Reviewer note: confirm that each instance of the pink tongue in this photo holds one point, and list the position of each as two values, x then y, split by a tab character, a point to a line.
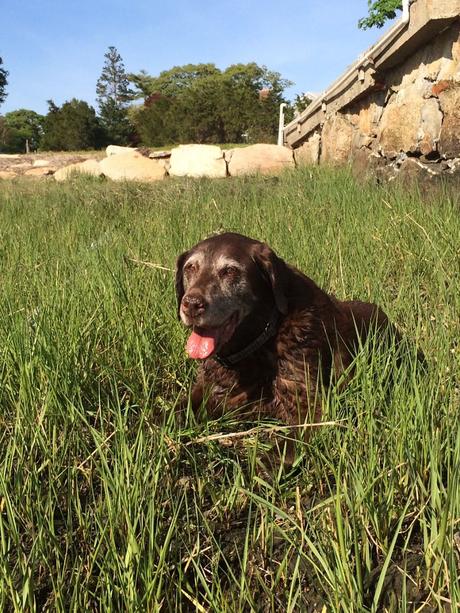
201	346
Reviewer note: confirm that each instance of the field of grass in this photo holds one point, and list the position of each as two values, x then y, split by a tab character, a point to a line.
108	503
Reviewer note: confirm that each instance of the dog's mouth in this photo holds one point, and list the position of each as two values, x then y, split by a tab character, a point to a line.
204	342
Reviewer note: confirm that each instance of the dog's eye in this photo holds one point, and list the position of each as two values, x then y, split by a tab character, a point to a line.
190	268
229	272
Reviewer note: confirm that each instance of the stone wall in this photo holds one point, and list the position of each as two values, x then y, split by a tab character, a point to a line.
409	122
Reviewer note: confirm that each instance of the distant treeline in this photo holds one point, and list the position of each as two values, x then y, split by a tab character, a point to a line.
186	104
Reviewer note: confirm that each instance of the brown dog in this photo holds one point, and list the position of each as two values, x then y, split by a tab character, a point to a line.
267	335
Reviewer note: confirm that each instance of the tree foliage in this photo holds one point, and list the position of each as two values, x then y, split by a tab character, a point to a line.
18	127
171	82
202	104
380	11
71	127
113	96
3	82
297	106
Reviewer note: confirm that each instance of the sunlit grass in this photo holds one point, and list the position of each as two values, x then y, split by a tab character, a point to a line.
109	502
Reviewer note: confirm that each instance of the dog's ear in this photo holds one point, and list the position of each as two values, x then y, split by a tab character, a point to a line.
180	279
274	270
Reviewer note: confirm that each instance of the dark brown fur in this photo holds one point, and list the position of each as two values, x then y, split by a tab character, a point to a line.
315	341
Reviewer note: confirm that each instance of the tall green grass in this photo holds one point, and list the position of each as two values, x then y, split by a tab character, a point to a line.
107	502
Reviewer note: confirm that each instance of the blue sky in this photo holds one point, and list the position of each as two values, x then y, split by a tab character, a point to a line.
55	48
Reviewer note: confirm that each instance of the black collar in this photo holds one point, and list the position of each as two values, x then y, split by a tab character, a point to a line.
270	330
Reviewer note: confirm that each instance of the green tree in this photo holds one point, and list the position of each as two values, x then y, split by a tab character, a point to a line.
380	11
172	82
180	105
301	102
199	108
200	103
155	122
297	106
254	93
113	97
4	135
21	126
143	83
3	82
72	127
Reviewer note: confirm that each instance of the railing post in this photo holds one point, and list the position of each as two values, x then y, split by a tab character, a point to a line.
281	124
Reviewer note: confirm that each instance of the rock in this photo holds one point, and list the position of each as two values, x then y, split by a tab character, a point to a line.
88	167
165	163
364	141
336	140
440	86
449	141
159	155
40	172
7	174
412	170
430	127
426	177
438	59
131	167
198	161
162	157
40	163
117	150
365	115
264	159
366	164
454	166
308	153
9	156
410	123
21	165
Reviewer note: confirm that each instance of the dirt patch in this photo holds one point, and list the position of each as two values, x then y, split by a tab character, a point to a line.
21	164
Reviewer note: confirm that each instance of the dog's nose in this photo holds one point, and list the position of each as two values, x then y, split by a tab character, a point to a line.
193	304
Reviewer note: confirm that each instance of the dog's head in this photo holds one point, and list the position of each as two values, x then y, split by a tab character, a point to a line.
222	284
